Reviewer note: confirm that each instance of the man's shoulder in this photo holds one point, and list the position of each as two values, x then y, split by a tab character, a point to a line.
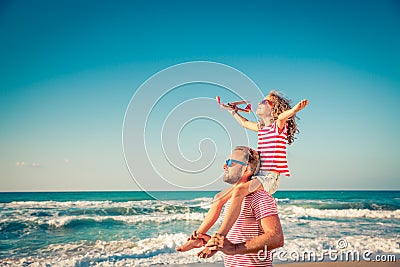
261	196
262	204
261	193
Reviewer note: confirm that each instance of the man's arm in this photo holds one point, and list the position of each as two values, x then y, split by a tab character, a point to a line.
272	238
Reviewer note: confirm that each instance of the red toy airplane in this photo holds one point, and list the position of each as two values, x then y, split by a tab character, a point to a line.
234	104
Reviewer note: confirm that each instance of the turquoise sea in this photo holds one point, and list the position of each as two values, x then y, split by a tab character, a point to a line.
138	229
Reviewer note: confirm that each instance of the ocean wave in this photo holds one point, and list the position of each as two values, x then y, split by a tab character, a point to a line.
282	200
10	224
160	250
78	204
146	252
70	218
102	203
337	213
159	218
106	207
334	204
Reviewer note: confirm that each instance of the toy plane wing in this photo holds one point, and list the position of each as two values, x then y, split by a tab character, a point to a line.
234	104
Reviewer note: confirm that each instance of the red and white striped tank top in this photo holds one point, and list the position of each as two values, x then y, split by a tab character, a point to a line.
272	149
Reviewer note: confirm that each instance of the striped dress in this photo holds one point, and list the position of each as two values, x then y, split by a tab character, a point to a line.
272	149
255	207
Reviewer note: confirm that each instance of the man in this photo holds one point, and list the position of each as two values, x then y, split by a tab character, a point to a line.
257	230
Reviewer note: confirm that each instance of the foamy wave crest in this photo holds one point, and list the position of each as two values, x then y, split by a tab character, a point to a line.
146	252
159	218
339	205
108	207
282	200
70	221
203	202
335	213
75	204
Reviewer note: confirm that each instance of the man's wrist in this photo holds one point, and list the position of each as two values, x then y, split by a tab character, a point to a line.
235	249
239	248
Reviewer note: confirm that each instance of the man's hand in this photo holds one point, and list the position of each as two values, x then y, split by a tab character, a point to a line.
224	245
217	243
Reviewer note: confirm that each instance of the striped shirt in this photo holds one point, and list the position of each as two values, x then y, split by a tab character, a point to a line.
272	149
255	207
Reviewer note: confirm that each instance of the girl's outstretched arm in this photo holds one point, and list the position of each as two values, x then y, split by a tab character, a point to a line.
284	116
251	125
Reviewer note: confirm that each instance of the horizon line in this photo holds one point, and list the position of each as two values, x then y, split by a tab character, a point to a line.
99	191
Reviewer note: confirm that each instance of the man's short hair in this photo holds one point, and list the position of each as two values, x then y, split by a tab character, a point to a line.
251	156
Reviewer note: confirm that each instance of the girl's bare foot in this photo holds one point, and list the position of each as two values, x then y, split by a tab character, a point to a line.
194	241
191	244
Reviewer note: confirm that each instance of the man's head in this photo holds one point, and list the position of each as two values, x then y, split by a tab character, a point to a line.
241	165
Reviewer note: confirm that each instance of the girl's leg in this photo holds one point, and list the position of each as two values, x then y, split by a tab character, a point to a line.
238	194
212	216
213	213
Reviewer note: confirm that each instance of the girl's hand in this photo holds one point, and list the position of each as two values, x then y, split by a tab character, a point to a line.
299	106
229	108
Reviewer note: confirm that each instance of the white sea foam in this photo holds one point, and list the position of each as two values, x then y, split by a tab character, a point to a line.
282	200
161	250
198	202
57	214
160	218
76	204
336	213
60	221
60	213
146	252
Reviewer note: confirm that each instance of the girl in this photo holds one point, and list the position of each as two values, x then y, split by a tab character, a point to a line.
276	127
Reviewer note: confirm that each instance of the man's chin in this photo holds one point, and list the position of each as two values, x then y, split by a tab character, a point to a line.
225	179
229	181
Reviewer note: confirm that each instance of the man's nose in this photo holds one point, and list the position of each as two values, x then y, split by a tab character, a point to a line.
225	167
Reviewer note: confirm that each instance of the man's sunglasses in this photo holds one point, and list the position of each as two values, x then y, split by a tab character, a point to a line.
229	162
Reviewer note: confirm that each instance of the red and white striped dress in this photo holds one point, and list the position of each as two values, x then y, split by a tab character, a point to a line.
255	207
272	149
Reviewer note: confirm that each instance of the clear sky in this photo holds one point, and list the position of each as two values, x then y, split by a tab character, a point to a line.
69	70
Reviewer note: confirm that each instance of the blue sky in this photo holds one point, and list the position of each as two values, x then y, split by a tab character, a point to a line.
70	68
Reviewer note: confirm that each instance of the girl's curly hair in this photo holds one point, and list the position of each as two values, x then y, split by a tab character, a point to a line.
282	104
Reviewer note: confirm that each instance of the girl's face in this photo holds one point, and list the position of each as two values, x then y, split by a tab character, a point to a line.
264	108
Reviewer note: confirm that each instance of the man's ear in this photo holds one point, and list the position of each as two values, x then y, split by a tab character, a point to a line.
249	169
